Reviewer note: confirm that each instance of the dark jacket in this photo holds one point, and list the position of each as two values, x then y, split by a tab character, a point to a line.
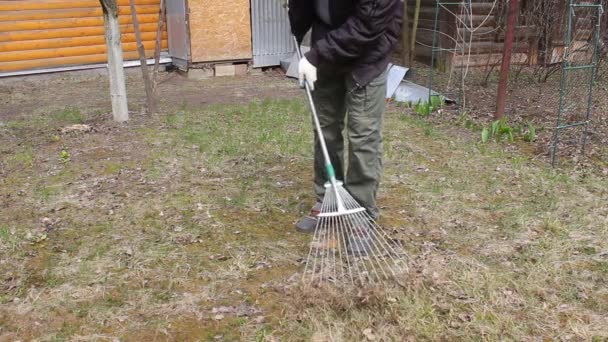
361	36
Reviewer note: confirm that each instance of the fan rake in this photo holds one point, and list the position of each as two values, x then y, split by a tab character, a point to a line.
348	245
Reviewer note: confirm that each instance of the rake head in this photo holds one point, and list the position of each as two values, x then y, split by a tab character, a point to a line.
348	245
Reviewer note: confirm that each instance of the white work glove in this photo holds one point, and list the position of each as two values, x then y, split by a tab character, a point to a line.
308	72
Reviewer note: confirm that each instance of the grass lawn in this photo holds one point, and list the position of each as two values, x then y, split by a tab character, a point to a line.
179	226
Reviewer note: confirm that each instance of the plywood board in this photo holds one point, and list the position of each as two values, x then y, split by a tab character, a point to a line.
220	30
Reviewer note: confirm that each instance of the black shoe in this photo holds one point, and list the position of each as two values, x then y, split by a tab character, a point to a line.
307	224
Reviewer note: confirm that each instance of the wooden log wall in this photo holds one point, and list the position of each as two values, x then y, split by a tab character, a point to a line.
36	34
486	45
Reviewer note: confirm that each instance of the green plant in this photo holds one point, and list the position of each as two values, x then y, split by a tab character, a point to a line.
112	168
465	120
531	134
425	108
422	108
64	155
70	115
498	130
24	158
8	238
44	192
485	135
4	233
436	101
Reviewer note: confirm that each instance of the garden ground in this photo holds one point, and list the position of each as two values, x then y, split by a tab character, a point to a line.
179	225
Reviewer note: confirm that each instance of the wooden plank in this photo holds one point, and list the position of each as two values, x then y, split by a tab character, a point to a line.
220	30
69	51
25	25
68	32
12	5
488	59
65	61
492	47
40	44
70	13
521	32
54	33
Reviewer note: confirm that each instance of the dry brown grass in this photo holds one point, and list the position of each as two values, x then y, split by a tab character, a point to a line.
151	226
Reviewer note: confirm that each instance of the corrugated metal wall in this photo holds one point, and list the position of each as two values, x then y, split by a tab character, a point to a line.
270	33
37	34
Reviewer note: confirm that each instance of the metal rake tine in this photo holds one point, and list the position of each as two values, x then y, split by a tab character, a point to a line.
338	251
366	251
350	241
322	254
390	248
338	235
386	246
392	253
315	256
323	245
352	229
380	232
382	236
348	266
330	249
378	257
310	254
314	245
327	202
332	237
380	251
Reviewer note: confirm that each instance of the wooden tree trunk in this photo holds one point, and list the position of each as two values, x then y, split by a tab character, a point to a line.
405	31
150	102
118	89
157	46
506	59
413	36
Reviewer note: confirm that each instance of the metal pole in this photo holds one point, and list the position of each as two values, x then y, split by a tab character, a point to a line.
596	40
433	49
461	98
329	169
562	92
506	59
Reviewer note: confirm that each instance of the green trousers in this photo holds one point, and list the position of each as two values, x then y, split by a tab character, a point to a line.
340	102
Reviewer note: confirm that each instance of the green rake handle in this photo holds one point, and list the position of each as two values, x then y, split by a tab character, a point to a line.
329	168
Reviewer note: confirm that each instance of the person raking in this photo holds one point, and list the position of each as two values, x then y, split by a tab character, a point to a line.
346	68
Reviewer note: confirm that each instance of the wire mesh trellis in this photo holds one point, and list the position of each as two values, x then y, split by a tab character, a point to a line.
579	69
577	58
445	44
